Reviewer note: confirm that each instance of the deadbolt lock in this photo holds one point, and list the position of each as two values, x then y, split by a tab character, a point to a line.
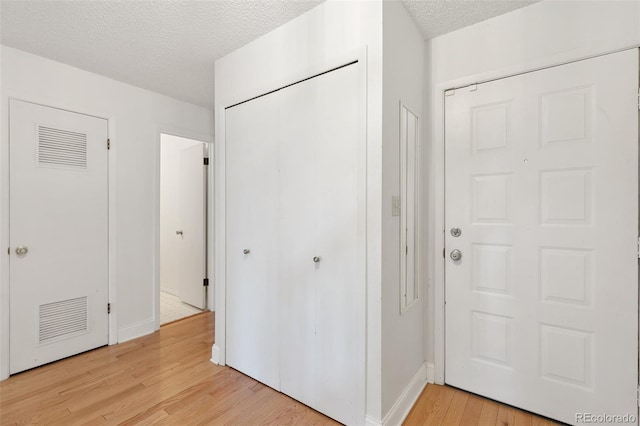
456	232
21	251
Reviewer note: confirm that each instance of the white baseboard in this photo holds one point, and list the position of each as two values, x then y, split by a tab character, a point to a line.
135	330
407	398
431	372
369	421
215	355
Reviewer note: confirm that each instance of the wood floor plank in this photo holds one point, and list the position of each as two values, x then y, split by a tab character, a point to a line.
440	407
456	408
522	418
423	406
166	378
506	416
472	411
489	413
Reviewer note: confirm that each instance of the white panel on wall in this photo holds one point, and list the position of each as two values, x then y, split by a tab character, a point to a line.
408	146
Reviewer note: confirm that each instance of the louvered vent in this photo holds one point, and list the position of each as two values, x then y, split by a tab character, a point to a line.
62	148
60	319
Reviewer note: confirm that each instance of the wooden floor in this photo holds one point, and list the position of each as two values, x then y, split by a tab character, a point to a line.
443	405
166	378
163	378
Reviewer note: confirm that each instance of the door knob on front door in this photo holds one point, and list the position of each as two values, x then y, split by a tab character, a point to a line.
316	259
456	255
179	233
21	250
246	251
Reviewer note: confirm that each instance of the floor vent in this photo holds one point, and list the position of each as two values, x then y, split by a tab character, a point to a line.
62	319
62	148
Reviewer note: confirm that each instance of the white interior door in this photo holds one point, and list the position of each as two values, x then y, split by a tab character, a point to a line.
337	205
58	234
295	297
191	270
252	212
297	227
542	181
320	324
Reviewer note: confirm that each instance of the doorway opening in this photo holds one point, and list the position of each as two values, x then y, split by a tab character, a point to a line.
183	204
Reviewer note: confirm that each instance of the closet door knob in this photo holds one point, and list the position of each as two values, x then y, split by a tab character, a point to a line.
316	259
246	251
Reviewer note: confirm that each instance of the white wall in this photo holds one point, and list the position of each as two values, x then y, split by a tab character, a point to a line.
170	148
540	35
402	334
136	117
335	29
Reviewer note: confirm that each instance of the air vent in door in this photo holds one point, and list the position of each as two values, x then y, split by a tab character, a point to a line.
62	319
58	147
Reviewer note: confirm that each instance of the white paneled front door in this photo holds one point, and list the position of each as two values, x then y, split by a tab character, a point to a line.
542	207
58	234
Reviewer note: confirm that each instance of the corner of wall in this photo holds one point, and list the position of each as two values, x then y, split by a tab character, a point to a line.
402	332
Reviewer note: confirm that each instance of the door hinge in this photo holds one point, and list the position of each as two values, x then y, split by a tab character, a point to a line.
444	250
638	395
206	161
108	143
638	98
108	308
9	251
638	247
205	282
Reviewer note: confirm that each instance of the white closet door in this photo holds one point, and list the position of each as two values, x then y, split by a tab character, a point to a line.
297	224
542	179
295	322
59	234
252	218
337	205
321	359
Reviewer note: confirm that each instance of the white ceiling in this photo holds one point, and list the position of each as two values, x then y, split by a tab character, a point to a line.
170	46
437	17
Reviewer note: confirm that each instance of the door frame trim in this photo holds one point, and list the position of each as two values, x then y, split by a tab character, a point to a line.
437	259
207	139
5	224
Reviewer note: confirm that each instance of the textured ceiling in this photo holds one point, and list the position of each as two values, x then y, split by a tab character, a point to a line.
170	46
437	17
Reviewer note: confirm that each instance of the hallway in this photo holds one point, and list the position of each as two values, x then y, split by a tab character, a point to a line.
162	378
167	378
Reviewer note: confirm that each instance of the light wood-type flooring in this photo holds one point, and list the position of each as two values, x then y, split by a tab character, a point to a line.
167	378
443	405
